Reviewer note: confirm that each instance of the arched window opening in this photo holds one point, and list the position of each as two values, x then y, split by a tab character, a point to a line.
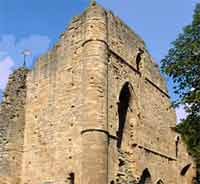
185	169
177	143
145	178
71	178
139	58
159	182
123	105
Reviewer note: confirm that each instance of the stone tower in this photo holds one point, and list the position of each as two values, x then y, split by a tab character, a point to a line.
96	111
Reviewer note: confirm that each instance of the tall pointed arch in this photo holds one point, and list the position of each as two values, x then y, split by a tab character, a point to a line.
123	105
145	177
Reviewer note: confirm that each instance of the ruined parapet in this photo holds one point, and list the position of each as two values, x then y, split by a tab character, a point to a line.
12	121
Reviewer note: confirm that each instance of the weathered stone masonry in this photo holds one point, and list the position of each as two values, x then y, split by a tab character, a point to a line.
12	122
96	111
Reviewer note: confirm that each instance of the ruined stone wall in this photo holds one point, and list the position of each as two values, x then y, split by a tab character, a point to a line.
65	108
97	111
52	147
149	141
12	122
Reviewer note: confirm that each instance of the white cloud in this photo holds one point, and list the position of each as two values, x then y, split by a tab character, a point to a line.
10	46
5	69
11	49
180	113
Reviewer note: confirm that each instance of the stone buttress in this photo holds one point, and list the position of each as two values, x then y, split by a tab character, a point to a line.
94	110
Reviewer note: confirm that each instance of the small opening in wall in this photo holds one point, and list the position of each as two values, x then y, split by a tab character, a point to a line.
159	182
112	182
138	59
121	163
134	145
145	178
123	105
177	142
185	169
71	178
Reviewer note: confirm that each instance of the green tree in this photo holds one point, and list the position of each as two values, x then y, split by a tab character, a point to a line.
182	64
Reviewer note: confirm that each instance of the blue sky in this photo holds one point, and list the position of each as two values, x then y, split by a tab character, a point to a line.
36	25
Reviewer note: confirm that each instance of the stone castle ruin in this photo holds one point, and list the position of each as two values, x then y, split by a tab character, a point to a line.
93	110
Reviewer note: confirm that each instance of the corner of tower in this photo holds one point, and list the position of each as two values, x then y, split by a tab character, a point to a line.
95	10
95	20
91	24
93	4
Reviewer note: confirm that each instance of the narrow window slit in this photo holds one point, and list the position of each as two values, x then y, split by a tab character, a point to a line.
139	58
177	144
71	178
123	105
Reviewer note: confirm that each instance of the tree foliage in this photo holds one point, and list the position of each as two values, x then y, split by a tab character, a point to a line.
182	64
